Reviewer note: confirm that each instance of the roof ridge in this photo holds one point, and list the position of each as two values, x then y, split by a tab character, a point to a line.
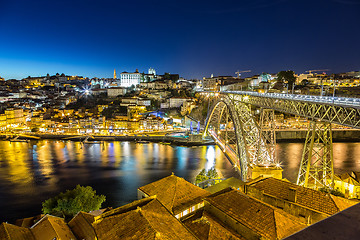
210	227
333	201
8	235
140	211
173	200
57	234
336	198
275	225
178	220
41	219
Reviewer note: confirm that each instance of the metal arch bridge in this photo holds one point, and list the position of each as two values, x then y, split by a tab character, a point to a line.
338	110
238	134
247	143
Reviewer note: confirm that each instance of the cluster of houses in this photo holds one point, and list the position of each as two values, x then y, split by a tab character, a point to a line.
172	208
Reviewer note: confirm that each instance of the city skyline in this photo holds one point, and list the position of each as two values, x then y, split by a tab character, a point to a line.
192	39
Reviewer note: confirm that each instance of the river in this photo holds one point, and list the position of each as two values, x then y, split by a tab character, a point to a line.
33	172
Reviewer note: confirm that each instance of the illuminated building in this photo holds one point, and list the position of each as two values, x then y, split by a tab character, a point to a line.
15	117
172	208
134	111
152	71
180	196
3	122
177	102
129	79
348	184
307	204
152	123
116	91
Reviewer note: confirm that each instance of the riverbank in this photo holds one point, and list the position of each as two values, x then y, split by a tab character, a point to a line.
293	135
166	139
299	135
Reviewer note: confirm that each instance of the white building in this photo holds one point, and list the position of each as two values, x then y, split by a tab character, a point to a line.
116	91
152	71
177	102
129	79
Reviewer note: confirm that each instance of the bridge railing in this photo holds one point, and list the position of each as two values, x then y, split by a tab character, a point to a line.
353	102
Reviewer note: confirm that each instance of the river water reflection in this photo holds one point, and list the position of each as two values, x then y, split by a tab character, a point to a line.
32	172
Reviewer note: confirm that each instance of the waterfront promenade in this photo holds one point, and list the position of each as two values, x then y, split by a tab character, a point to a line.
177	137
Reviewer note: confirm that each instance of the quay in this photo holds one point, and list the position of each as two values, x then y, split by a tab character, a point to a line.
191	140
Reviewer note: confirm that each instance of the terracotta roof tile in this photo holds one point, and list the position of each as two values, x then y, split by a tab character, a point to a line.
146	219
174	192
13	232
28	222
343	225
81	226
263	219
307	197
50	227
208	227
230	182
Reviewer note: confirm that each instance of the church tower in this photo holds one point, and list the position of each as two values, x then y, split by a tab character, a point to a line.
114	74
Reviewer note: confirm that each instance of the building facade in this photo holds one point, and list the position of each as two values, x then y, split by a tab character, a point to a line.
129	79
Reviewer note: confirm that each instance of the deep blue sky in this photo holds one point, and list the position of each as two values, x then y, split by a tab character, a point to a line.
192	38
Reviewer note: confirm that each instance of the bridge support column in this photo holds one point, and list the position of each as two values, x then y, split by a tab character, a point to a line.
316	167
267	130
267	135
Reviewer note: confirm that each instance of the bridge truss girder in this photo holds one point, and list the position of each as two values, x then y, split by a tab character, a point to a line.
316	167
343	115
267	130
237	132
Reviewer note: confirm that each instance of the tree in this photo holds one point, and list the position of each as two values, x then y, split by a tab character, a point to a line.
287	77
305	82
205	175
201	177
334	192
155	104
72	201
212	173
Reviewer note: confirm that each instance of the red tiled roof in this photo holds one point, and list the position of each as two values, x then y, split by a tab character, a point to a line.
81	226
13	232
175	193
265	220
50	227
206	226
307	197
143	219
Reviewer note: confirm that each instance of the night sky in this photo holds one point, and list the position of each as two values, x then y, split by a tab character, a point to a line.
192	38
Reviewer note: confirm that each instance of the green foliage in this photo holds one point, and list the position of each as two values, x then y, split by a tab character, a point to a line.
212	173
305	82
201	177
205	108
108	112
205	175
155	104
334	192
35	129
72	201
287	77
183	93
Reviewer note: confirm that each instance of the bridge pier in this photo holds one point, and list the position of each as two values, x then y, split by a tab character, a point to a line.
317	167
255	171
267	130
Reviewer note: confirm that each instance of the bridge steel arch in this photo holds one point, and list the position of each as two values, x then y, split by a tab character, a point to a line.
346	114
232	126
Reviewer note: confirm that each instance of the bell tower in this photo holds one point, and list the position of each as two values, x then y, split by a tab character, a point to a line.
114	74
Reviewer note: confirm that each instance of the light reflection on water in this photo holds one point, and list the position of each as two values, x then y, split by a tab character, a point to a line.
32	172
